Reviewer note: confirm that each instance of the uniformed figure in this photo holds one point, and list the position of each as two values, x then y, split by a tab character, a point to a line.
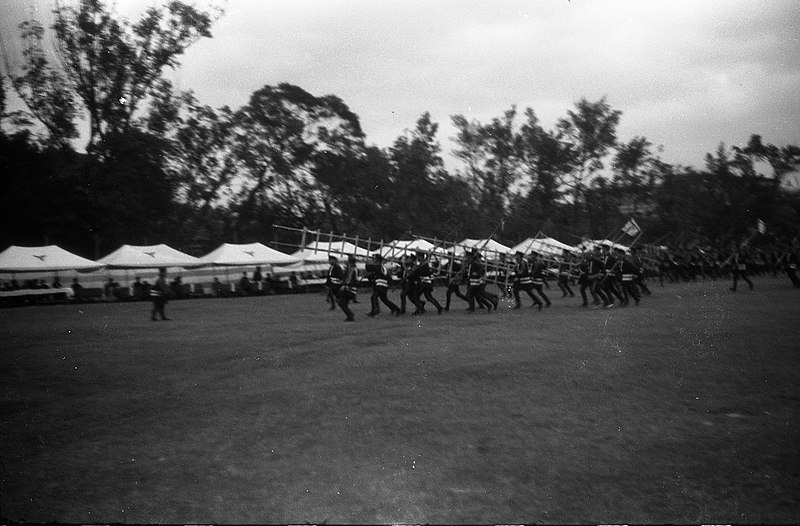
381	277
457	271
522	281
628	272
407	291
792	261
421	276
334	280
349	288
739	262
639	280
476	287
609	280
565	263
583	278
159	294
596	277
538	268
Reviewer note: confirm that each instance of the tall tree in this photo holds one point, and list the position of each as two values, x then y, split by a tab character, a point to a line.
419	198
113	65
545	161
490	154
590	131
637	170
44	89
279	140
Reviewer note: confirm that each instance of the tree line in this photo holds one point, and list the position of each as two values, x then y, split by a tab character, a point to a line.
160	166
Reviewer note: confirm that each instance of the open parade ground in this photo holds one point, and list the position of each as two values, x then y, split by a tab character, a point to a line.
271	409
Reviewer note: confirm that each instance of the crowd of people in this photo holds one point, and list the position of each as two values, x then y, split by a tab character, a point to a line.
605	276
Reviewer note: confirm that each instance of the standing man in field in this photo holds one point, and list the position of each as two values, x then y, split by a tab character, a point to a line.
159	294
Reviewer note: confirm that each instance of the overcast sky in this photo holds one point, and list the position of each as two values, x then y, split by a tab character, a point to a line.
686	74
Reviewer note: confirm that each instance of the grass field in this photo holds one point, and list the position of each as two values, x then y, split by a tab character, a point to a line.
271	409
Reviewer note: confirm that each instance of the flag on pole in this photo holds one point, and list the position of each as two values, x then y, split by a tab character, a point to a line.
631	228
762	227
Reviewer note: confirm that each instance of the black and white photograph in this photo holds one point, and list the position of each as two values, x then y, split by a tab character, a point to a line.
418	262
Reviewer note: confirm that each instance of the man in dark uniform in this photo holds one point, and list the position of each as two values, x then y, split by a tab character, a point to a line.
565	264
381	277
537	278
739	262
637	261
628	272
334	280
476	288
596	277
792	261
609	280
407	291
522	281
159	294
421	276
349	288
454	280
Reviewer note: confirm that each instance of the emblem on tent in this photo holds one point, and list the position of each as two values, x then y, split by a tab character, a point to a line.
250	253
151	254
40	258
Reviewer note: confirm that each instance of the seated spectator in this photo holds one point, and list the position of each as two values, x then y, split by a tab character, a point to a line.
43	284
177	287
138	289
77	288
217	288
244	284
7	286
110	287
270	284
56	283
14	285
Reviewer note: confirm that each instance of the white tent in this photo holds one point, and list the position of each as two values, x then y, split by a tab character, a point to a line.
148	256
488	248
318	251
50	258
543	245
231	255
399	248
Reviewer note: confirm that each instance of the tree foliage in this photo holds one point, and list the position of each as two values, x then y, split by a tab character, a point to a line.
113	65
162	166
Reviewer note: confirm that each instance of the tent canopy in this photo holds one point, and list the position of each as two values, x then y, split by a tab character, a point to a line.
50	258
231	255
487	247
318	251
148	256
543	245
399	248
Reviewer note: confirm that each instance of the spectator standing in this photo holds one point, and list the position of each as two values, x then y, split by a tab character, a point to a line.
159	294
